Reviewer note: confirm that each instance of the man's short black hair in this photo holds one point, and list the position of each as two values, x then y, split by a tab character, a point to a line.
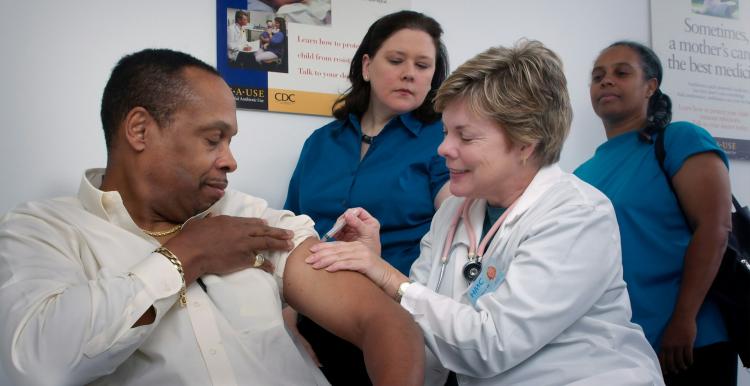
152	79
238	15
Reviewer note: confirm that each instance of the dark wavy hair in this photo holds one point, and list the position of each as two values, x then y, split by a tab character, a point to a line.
356	99
238	15
152	79
659	113
282	24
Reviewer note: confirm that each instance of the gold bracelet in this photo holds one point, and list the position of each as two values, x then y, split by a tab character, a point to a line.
177	264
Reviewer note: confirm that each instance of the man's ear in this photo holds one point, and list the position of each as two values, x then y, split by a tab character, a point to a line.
136	126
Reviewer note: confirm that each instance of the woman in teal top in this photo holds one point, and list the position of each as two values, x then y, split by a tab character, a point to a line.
668	264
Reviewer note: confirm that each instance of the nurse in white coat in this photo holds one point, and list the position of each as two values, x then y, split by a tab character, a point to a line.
519	280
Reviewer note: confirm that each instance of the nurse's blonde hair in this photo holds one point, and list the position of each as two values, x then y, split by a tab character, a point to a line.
522	88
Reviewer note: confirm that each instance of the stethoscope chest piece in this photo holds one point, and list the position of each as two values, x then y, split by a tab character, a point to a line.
472	269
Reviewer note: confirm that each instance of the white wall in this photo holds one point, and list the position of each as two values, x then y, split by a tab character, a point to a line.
57	55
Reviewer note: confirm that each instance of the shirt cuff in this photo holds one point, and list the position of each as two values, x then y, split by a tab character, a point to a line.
159	276
411	297
279	258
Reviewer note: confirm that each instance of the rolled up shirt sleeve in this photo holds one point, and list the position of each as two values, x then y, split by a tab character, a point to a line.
253	207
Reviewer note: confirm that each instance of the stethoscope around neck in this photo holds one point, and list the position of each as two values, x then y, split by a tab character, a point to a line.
473	267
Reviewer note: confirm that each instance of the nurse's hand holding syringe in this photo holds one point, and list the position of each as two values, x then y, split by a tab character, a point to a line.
357	248
356	224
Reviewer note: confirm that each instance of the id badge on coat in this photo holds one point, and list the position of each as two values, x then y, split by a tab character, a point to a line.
489	279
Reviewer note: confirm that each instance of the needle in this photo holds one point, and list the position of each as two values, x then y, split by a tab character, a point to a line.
334	229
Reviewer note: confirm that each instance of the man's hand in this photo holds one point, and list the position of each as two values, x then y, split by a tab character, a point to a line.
225	244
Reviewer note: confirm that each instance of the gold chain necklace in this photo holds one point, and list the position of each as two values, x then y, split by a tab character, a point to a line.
162	233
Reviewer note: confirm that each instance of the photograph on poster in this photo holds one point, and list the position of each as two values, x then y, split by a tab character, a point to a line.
292	56
256	40
705	51
726	9
312	12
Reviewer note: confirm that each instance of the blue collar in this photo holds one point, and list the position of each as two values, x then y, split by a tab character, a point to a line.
619	139
407	120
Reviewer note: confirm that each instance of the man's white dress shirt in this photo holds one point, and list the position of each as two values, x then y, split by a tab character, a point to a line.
76	273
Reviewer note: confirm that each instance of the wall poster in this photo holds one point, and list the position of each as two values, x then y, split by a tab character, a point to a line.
292	56
704	46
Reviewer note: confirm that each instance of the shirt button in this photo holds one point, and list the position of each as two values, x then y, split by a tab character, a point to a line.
212	352
343	202
196	304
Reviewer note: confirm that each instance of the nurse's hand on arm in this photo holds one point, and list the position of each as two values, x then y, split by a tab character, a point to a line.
358	250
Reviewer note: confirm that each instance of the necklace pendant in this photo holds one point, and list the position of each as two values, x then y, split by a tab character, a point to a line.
368	139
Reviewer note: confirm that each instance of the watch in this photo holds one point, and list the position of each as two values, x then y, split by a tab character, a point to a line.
402	290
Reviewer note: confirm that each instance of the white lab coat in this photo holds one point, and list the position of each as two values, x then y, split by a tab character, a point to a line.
562	315
236	41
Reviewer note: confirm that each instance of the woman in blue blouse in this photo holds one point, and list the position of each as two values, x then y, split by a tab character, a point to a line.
272	47
669	260
380	154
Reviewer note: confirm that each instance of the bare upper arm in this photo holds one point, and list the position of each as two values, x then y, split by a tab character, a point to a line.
702	186
324	296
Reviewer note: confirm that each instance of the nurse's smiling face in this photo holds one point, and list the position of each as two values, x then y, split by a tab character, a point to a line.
482	160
